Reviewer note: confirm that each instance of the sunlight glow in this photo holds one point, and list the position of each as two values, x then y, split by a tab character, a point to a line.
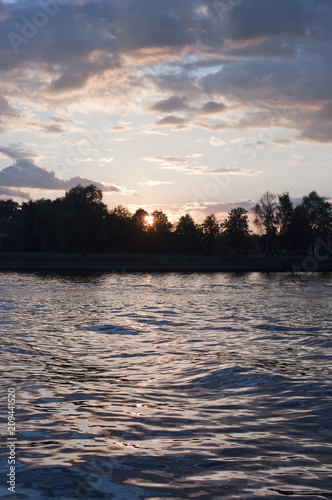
149	220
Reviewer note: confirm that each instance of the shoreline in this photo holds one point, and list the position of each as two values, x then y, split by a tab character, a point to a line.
159	263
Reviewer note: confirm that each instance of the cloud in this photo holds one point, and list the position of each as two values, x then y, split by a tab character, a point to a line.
254	56
16	151
299	159
13	193
172	120
217	206
155	183
9	116
152	131
171	104
211	107
281	18
26	174
69	81
107	159
217	142
188	165
283	141
46	128
6	109
119	128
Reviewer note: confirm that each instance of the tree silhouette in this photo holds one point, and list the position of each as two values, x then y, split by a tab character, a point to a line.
236	229
140	228
160	233
188	235
299	231
81	222
119	230
8	211
210	232
318	213
284	219
265	217
45	224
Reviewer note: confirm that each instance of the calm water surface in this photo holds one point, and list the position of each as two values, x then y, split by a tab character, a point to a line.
178	386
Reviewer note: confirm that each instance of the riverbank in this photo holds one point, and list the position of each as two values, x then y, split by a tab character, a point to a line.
158	263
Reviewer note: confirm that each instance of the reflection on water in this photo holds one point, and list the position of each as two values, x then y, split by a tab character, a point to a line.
168	386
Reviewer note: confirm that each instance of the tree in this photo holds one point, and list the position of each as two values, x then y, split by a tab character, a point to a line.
119	229
140	227
8	208
265	217
187	234
236	229
81	218
284	218
23	236
299	231
318	213
8	212
45	224
160	232
210	232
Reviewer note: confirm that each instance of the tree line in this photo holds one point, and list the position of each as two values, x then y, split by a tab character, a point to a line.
79	222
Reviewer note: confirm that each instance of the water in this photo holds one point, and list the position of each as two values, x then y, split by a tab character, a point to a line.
181	386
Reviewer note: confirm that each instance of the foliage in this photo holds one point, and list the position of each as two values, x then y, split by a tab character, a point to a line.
236	229
266	218
318	214
188	235
80	222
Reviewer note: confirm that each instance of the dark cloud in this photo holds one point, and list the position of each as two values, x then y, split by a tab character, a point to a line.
47	128
171	104
211	107
171	120
69	81
15	151
259	19
26	174
13	193
268	54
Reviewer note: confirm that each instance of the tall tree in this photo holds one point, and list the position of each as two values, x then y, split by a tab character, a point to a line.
299	232
160	232
23	236
210	232
140	228
236	229
80	221
45	224
265	217
119	230
318	213
284	218
187	235
9	210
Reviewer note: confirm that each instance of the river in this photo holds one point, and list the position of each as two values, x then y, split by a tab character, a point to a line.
182	386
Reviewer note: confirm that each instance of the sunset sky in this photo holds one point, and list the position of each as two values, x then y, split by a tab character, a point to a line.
181	105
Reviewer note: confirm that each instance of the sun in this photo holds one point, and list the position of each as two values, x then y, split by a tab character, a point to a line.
149	220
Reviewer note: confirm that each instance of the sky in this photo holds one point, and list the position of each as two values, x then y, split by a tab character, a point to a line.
192	106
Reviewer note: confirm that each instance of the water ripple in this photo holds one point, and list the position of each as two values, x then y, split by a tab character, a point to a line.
176	385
